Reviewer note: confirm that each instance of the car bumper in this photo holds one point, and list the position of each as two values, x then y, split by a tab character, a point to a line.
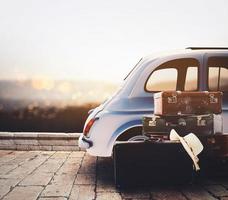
84	142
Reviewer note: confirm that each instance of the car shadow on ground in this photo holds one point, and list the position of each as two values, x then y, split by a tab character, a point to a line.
218	174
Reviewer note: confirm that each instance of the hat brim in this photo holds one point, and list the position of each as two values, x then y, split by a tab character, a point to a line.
191	140
187	143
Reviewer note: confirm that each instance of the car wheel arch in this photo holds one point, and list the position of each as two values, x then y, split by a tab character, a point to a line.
130	132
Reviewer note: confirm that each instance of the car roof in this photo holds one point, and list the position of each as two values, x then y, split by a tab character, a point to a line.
191	51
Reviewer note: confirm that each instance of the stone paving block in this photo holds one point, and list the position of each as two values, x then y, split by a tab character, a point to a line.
5	152
22	158
8	157
45	147
85	179
23	147
6	185
83	192
65	148
105	166
8	147
53	198
26	168
167	194
197	193
217	190
105	183
74	135
38	178
108	195
6	134
58	142
90	158
28	147
135	194
9	142
109	187
26	141
88	165
136	198
25	135
77	154
75	160
69	168
18	161
60	186
22	193
61	154
4	169
52	135
51	165
87	168
46	153
19	173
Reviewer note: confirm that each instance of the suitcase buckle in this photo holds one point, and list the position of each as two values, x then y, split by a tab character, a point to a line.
182	122
201	122
213	99
172	99
152	123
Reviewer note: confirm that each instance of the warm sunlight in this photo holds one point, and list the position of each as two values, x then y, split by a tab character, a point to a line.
43	84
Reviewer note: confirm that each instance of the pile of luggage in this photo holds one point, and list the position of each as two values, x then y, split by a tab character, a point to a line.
183	125
192	118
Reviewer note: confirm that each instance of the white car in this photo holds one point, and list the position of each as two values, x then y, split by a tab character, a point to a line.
119	118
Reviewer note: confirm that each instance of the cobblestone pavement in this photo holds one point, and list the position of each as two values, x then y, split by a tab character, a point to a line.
48	175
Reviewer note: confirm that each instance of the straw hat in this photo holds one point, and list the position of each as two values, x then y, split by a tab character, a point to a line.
191	144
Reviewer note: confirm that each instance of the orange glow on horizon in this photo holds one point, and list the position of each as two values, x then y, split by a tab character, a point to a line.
43	84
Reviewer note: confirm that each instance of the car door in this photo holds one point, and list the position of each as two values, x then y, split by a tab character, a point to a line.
217	80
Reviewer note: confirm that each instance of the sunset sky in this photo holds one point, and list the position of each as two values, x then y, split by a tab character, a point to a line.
100	40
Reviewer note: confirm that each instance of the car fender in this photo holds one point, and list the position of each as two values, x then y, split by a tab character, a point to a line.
104	137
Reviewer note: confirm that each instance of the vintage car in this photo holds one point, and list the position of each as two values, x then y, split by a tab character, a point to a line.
120	117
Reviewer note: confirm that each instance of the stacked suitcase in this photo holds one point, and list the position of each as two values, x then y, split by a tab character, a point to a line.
186	112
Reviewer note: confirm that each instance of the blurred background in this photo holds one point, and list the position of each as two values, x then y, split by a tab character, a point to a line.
59	59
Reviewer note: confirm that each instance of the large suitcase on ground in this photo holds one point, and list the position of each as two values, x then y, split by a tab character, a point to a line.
151	163
201	125
185	103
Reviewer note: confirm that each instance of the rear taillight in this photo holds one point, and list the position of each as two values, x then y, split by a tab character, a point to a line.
89	125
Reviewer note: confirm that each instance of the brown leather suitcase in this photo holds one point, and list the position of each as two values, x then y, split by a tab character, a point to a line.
171	103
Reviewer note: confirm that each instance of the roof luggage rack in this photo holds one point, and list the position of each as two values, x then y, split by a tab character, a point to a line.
202	48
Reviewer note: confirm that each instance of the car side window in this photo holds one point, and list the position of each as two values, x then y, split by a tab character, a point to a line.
218	74
178	74
163	79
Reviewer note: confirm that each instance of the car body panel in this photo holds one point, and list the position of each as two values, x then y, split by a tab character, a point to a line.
125	109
